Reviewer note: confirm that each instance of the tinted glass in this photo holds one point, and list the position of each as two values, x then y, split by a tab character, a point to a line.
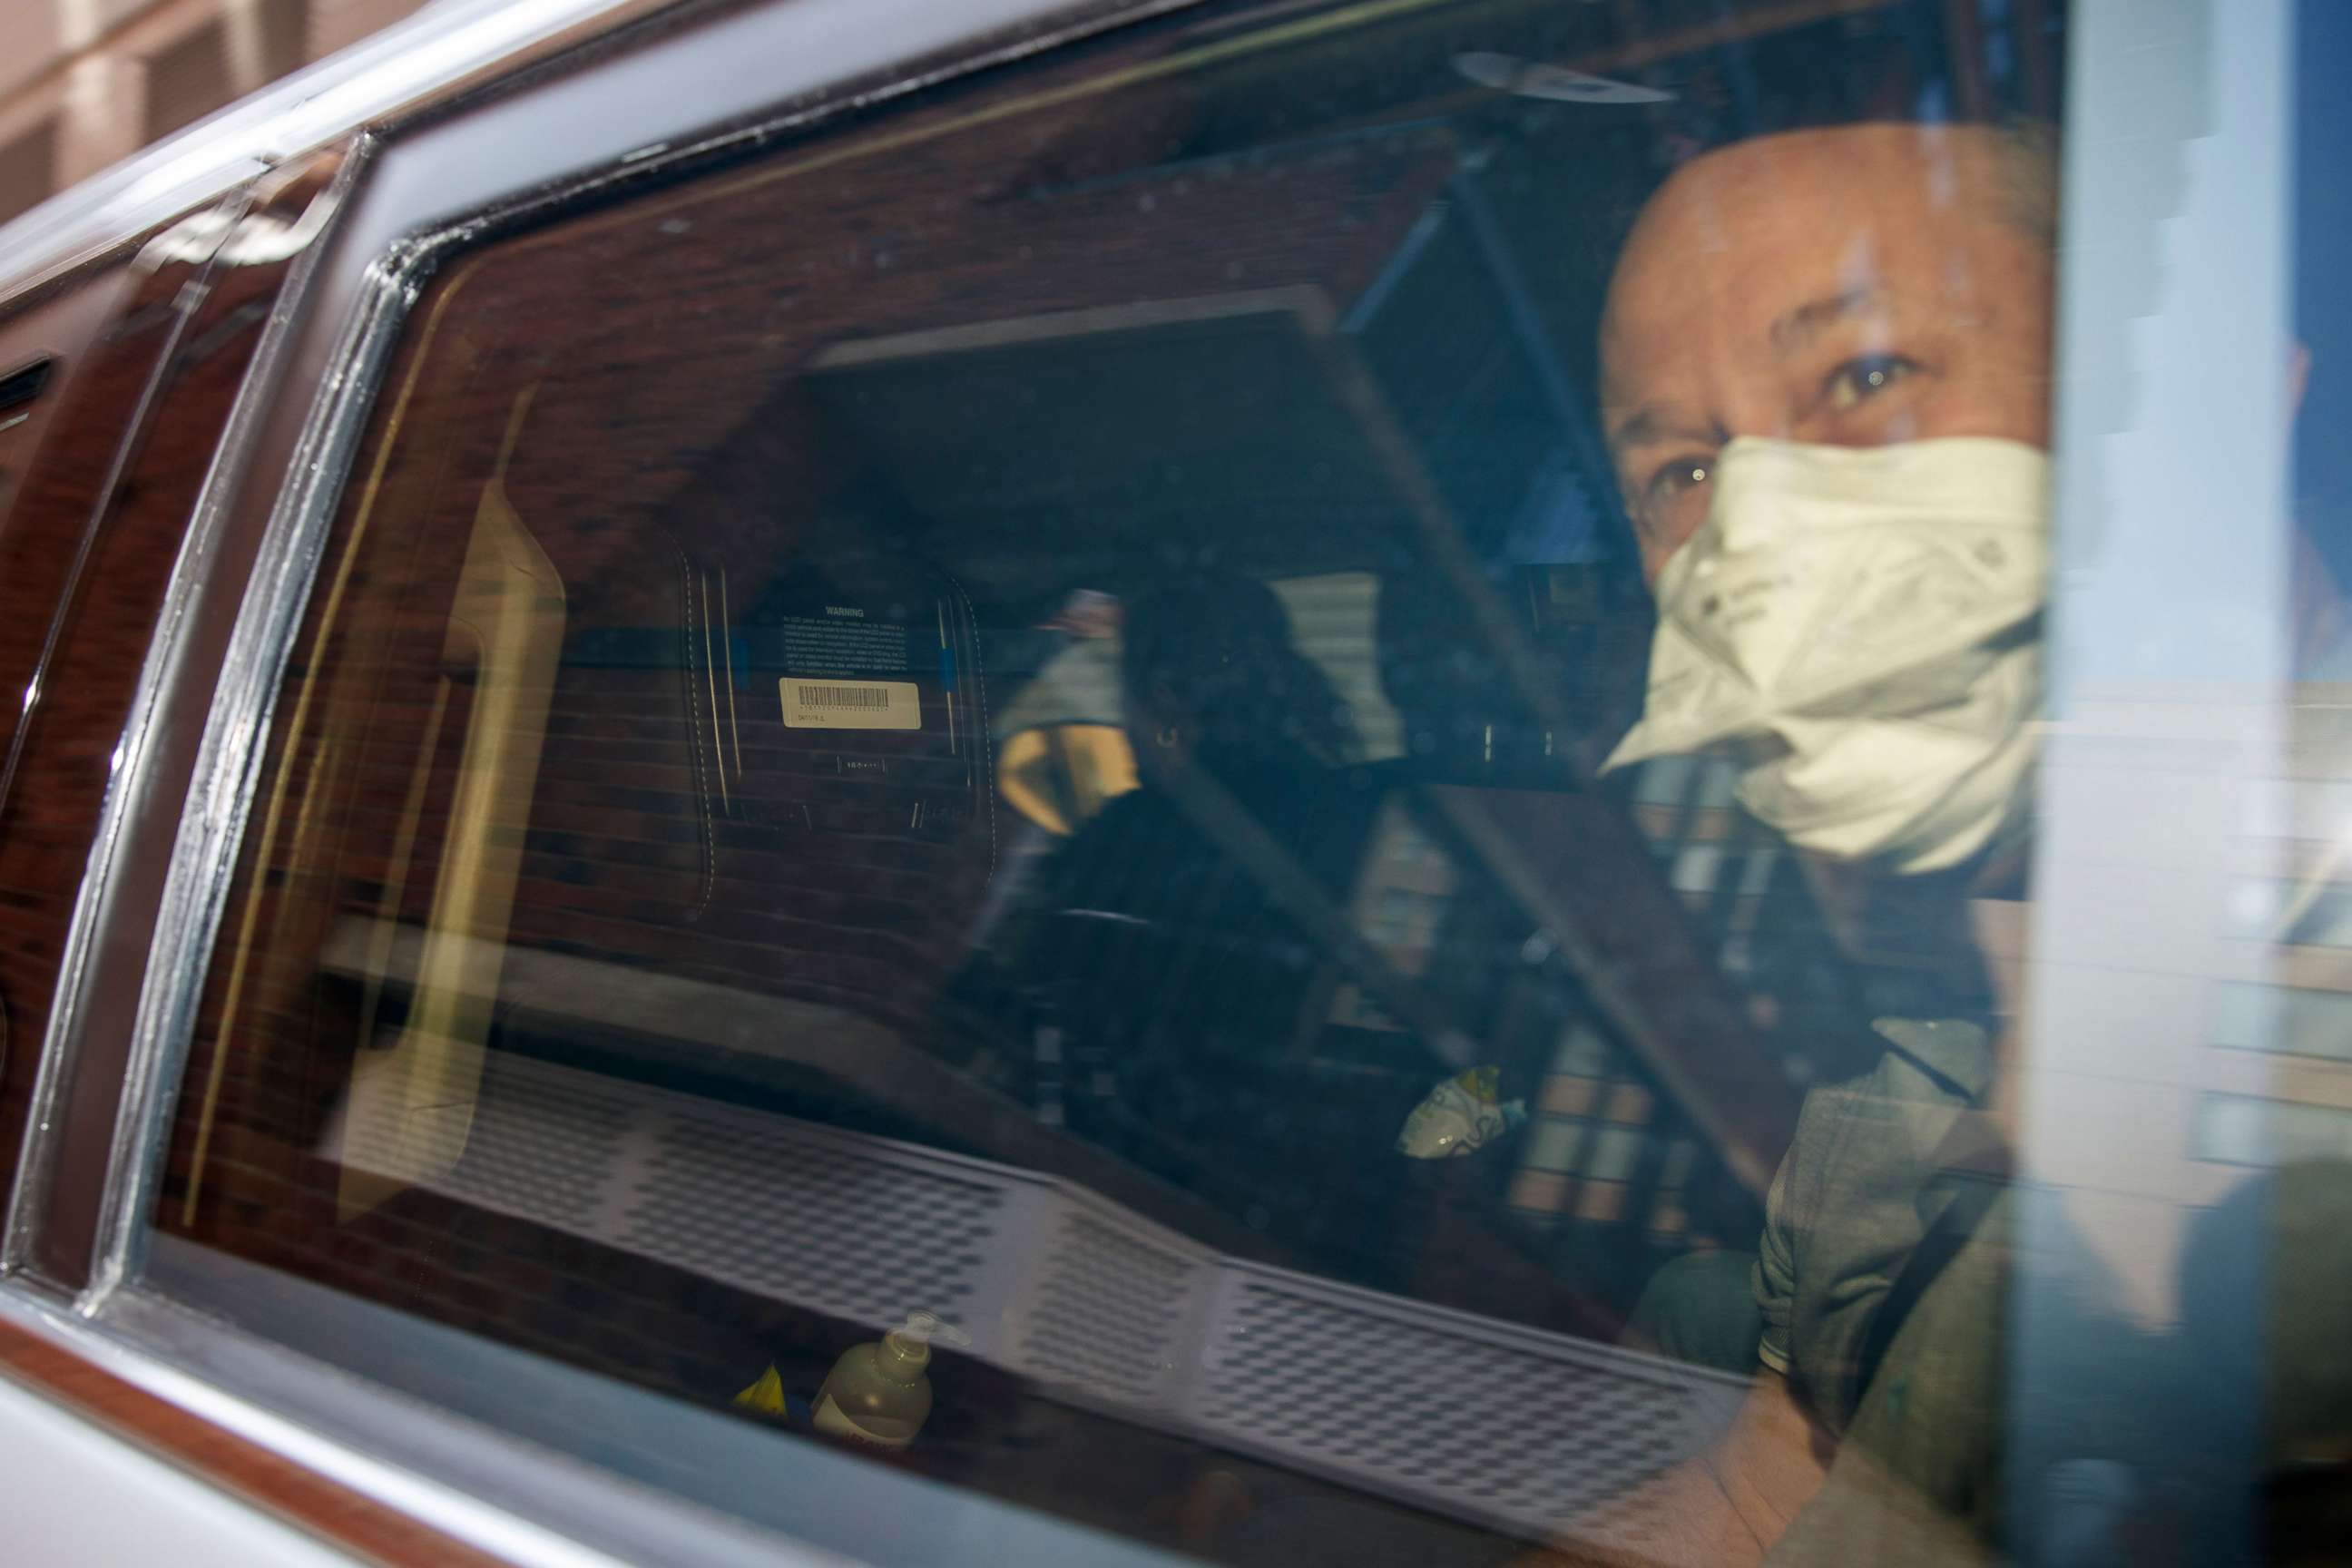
1324	720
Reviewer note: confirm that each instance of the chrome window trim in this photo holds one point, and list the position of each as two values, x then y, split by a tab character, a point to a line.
36	1167
401	67
205	853
29	1188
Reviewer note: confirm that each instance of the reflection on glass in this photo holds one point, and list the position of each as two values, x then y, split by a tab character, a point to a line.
1325	723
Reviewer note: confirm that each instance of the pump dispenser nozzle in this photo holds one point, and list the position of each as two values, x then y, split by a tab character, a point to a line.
906	1350
878	1393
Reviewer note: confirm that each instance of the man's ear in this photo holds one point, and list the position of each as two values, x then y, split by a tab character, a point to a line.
2298	377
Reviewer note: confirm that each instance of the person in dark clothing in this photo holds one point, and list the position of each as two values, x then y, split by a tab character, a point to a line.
1167	934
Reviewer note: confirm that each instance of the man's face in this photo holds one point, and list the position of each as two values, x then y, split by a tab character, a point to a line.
1854	287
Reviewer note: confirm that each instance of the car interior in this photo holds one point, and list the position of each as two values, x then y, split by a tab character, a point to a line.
718	881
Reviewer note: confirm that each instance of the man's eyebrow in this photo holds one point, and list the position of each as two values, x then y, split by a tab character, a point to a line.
1653	423
1808	321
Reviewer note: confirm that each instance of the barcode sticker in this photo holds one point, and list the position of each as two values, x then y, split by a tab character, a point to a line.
852	704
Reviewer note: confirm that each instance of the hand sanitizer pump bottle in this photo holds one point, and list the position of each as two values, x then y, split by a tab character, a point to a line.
876	1393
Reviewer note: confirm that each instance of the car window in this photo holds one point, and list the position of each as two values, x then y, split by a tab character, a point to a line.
1270	783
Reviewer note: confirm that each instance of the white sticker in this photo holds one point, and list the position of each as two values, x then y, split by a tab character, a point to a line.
851	704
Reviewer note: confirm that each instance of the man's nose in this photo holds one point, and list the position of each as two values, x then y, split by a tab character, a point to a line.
1750	405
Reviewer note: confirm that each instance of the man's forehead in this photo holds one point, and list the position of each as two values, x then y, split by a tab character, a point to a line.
1774	181
1764	240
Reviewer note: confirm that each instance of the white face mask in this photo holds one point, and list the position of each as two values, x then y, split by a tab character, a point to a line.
1863	616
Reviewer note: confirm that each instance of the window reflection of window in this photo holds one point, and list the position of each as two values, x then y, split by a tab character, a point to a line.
2246	1130
2287	1020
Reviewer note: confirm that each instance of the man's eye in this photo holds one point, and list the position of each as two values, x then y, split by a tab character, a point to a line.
1858	381
1675	480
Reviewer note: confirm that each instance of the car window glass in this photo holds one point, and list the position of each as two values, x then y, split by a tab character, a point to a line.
1157	705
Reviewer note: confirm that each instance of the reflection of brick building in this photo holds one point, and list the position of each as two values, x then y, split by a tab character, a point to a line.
645	864
2277	1084
84	83
1598	1145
